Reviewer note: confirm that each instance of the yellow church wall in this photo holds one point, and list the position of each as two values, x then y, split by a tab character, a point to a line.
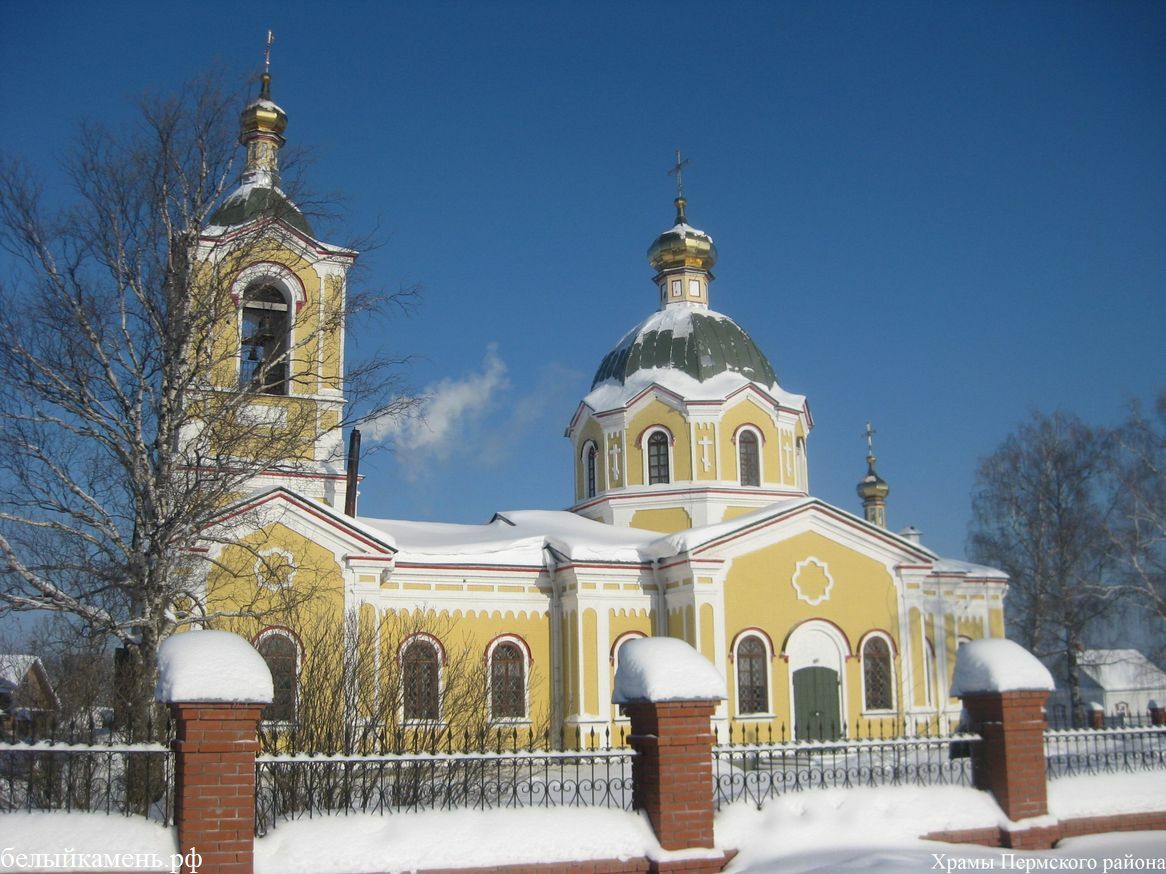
749	413
759	593
690	626
590	667
657	413
667	520
707	431
676	624
996	621
707	646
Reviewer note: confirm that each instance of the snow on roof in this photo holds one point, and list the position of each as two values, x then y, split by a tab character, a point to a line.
665	669
997	665
14	667
955	566
211	666
1122	669
516	537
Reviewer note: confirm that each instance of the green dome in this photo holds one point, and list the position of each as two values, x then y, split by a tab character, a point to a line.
256	202
692	339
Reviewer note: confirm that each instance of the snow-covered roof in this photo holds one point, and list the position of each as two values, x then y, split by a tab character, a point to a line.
967	568
998	665
665	669
211	666
516	537
15	666
1122	669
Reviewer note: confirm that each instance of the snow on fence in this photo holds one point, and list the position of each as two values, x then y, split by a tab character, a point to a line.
292	786
758	771
90	766
1069	752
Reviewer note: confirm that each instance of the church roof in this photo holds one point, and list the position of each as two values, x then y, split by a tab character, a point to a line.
690	338
1121	669
250	203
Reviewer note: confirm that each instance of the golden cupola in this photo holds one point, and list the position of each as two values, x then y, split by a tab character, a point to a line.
261	127
682	246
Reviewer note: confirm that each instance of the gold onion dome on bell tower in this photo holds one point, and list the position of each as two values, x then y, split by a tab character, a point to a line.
263	117
682	246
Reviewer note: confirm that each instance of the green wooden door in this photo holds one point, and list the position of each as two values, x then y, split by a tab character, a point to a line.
816	709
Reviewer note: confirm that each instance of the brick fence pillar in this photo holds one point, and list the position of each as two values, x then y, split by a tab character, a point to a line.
1009	761
1157	713
672	773
1096	716
216	685
214	794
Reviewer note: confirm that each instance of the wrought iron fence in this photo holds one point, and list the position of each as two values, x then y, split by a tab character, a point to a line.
1069	752
759	770
90	766
495	774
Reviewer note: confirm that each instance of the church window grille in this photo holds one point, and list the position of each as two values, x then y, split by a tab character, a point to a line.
658	458
281	656
592	455
750	459
263	348
507	682
877	675
752	676
420	675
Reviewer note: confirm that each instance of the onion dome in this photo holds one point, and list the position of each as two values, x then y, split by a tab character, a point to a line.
682	246
872	485
689	338
261	127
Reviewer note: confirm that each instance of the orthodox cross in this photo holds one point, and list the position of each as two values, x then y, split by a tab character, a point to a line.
787	446
704	443
678	171
267	52
614	452
869	433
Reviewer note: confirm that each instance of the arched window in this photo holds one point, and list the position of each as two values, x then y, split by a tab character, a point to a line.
507	682
282	656
749	458
420	676
592	456
752	676
263	346
658	458
877	679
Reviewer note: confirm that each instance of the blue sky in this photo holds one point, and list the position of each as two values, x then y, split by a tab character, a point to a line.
935	216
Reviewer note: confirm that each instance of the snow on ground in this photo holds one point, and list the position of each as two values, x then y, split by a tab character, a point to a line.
875	830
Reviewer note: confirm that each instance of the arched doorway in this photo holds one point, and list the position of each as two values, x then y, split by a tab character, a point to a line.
816	651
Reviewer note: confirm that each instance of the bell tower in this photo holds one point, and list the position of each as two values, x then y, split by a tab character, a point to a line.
275	394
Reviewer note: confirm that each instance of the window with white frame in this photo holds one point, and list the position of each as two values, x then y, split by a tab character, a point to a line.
421	680
281	654
752	661
507	681
749	457
590	463
877	677
658	462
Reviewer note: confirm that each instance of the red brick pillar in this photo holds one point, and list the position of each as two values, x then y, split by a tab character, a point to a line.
1096	716
214	805
1009	761
1157	713
672	772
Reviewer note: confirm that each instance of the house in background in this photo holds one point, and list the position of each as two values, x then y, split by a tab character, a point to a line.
1122	682
27	699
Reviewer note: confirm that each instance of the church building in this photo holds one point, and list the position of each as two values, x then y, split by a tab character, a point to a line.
693	518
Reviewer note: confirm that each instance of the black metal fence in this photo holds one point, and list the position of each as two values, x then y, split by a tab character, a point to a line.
491	774
1074	751
90	766
757	771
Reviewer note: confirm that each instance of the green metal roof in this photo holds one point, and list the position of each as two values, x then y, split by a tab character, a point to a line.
699	343
260	203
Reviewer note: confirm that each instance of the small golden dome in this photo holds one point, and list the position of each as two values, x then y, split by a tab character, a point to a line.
682	246
872	485
262	117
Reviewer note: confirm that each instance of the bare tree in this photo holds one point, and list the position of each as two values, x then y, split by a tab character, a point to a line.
1040	512
122	426
1139	529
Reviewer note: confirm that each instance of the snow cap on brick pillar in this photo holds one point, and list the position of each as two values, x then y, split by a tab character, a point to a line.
997	665
1004	688
211	666
665	669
